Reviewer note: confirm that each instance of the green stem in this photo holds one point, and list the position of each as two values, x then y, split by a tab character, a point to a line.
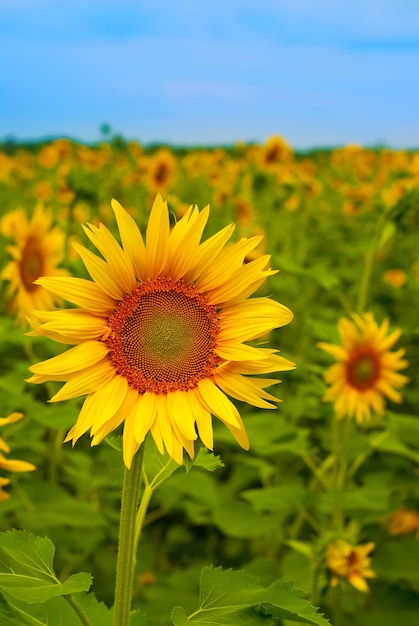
317	476
339	432
142	510
78	609
126	554
337	612
362	457
369	263
55	441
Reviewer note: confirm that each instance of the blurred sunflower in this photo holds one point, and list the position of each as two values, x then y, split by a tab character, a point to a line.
10	465
404	521
161	169
367	370
37	250
160	333
275	149
350	562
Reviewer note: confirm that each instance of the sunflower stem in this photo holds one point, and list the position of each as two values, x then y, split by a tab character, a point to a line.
55	440
126	546
369	263
339	431
337	612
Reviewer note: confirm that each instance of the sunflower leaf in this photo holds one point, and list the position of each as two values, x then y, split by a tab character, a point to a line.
204	460
156	466
57	611
234	598
26	570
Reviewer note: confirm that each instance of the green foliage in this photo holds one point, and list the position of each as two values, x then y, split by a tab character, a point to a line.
306	480
27	571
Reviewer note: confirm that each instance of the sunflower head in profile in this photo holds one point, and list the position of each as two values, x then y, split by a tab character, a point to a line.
160	335
10	465
367	370
37	250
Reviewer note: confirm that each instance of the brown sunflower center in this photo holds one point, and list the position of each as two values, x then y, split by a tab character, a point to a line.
162	337
161	173
363	368
31	264
353	559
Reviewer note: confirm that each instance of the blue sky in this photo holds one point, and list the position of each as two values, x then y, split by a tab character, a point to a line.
318	72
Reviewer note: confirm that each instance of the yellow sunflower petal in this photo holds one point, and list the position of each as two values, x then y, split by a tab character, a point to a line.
99	407
252	319
11	465
79	357
157	238
203	420
242	388
79	291
182	414
238	352
131	238
229	261
68	325
145	413
242	278
101	272
11	419
165	423
99	431
217	403
184	243
118	261
129	443
86	381
209	250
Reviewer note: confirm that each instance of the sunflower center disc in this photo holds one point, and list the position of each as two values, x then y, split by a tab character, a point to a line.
363	369
163	336
31	265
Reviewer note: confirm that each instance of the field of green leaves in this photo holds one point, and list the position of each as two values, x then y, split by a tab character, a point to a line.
326	500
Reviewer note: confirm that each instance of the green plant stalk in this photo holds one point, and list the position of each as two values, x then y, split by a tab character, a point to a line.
55	441
126	545
77	609
369	263
339	468
141	513
363	457
318	477
336	606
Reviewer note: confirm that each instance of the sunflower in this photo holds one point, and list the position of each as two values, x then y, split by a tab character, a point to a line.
161	170
350	562
37	251
160	333
404	521
367	370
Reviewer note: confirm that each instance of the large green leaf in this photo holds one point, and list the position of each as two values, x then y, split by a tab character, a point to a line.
236	598
58	611
26	569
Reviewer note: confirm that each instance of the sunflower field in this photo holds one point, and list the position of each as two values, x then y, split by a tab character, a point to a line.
142	339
